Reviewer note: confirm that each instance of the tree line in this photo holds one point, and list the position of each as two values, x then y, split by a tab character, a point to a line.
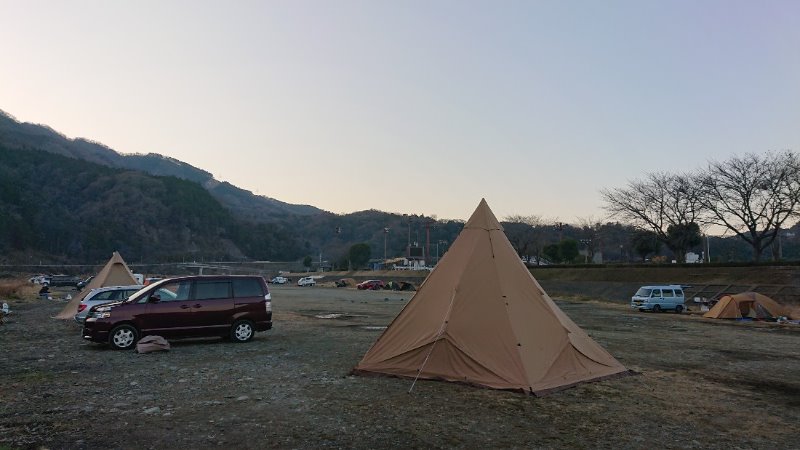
753	196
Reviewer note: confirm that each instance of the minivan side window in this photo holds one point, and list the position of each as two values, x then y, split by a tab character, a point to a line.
247	287
678	293
207	290
172	292
667	293
656	293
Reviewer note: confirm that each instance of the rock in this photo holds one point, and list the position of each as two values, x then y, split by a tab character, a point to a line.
153	410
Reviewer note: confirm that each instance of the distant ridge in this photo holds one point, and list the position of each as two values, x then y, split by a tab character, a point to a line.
242	203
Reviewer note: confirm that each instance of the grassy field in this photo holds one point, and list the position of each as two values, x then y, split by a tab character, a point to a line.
700	384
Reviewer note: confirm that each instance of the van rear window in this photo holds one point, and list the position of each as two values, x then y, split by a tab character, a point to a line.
247	287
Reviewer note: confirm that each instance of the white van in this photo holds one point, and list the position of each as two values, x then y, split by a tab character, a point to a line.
306	281
659	298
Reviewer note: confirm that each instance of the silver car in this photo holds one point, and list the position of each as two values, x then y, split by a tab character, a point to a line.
101	295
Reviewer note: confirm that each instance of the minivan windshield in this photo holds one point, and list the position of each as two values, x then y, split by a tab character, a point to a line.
643	292
146	291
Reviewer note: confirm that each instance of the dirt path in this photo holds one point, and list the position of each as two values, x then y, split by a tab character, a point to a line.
701	384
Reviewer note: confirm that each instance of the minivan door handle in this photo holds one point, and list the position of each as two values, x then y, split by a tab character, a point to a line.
198	305
185	306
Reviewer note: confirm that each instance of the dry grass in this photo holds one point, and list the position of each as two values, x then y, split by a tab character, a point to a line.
18	289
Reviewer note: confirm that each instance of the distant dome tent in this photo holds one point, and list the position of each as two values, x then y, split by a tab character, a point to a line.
481	318
749	305
114	273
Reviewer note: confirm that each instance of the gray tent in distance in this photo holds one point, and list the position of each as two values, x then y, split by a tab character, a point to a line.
481	318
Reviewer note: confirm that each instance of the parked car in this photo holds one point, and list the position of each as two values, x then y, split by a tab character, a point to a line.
372	285
216	305
659	298
399	286
306	281
82	284
39	279
279	280
62	280
101	295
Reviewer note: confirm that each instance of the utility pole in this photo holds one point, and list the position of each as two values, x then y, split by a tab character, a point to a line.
427	240
408	247
385	233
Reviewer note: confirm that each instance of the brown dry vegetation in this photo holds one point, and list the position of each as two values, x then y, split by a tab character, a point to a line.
701	384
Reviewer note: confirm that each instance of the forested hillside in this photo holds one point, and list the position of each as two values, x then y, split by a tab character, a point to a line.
74	210
24	136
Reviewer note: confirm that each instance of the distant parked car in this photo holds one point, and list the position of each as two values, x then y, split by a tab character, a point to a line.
39	279
101	295
399	286
659	298
279	280
306	281
63	280
82	284
372	285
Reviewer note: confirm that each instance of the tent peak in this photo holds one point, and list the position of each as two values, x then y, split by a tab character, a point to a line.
483	218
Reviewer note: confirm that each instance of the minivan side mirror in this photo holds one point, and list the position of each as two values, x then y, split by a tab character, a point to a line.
155	298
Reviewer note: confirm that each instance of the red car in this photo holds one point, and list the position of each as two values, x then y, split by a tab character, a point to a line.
372	285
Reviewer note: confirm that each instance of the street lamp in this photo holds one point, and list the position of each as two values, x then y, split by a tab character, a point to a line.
437	249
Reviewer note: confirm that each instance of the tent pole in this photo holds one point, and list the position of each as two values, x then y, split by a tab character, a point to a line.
438	336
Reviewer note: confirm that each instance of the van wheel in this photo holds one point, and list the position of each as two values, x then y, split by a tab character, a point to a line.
656	308
678	309
242	331
123	337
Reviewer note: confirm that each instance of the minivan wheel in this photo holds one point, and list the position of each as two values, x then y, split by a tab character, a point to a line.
123	337
678	309
657	308
242	331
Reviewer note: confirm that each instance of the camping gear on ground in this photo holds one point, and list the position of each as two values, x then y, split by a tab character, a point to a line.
4	311
481	318
749	305
114	273
149	344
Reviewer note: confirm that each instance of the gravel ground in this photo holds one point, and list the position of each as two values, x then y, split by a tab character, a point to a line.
701	384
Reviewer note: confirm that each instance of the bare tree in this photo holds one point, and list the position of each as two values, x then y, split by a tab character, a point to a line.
526	234
753	195
656	203
591	239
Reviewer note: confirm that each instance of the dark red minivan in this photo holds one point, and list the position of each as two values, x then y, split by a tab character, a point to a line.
225	305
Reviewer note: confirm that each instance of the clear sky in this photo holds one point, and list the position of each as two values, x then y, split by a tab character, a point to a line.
419	107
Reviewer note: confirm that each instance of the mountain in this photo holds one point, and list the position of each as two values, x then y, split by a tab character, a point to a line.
62	209
75	200
243	203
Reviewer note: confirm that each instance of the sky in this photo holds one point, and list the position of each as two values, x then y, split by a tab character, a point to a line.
416	107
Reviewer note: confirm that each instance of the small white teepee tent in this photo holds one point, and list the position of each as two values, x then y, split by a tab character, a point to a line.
114	273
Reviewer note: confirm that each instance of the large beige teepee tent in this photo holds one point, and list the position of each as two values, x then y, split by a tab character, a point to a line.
114	273
481	318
